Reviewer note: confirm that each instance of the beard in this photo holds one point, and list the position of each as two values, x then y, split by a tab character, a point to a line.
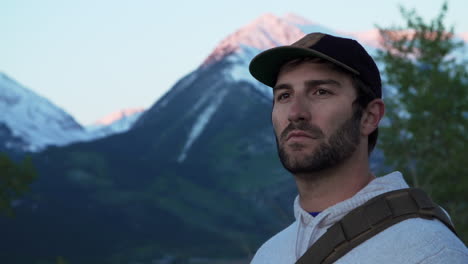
341	144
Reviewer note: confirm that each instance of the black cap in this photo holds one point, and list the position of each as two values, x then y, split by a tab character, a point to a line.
343	52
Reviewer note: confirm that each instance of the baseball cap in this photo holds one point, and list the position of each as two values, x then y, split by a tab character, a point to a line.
343	52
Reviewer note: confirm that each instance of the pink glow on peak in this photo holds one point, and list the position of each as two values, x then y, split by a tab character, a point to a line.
265	32
298	20
270	31
464	36
369	37
111	118
372	37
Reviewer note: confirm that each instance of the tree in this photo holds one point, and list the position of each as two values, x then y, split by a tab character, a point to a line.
14	181
427	109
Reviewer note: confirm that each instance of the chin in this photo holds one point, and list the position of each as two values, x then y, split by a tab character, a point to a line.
300	151
299	159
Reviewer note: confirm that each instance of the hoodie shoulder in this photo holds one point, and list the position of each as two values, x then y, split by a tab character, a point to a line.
279	248
415	240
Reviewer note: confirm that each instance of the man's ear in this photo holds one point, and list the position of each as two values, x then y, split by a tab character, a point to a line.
371	116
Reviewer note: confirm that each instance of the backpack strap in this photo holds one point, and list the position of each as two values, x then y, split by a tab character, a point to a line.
371	218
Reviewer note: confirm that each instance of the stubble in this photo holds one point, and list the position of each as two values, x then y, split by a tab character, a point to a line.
341	144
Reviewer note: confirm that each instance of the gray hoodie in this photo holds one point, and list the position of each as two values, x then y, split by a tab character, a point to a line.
414	240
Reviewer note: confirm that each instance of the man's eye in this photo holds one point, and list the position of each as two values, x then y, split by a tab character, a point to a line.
282	96
322	92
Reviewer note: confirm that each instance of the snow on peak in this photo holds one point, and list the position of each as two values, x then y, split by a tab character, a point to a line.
368	37
115	116
117	122
373	39
265	32
464	36
297	20
40	123
33	118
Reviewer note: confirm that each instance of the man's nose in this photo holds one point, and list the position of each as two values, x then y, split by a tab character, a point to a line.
299	110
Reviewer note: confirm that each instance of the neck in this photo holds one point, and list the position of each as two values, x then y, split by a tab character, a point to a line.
320	190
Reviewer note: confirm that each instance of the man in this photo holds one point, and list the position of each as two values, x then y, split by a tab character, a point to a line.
326	108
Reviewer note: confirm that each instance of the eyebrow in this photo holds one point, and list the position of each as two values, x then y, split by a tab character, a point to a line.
309	83
283	86
320	82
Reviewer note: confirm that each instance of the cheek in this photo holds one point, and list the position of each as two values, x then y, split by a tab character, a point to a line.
335	120
276	120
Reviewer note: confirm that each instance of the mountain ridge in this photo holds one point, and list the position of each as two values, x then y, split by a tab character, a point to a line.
31	122
34	118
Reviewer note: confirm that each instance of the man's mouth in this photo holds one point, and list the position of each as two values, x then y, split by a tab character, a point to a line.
298	134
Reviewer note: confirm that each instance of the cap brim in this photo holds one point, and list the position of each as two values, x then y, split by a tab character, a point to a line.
266	65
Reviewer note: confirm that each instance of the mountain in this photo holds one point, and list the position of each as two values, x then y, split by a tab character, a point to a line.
196	178
116	122
126	114
30	122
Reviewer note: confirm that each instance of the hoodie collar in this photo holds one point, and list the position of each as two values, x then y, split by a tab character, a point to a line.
387	183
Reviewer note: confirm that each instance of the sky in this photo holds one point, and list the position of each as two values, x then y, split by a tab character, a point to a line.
95	57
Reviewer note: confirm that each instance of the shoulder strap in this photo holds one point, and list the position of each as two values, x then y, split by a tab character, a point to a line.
371	218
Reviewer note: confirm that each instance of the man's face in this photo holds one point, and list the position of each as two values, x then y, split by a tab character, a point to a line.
315	123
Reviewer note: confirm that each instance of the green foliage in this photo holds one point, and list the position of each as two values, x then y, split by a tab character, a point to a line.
14	181
89	169
61	260
428	111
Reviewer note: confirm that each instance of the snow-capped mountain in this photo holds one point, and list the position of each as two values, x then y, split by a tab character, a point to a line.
125	114
30	122
208	92
269	31
113	123
266	31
